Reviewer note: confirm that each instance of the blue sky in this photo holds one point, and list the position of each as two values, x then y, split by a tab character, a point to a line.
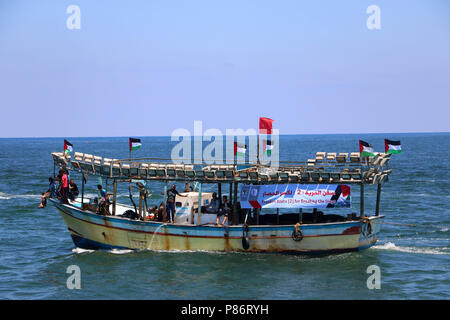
145	68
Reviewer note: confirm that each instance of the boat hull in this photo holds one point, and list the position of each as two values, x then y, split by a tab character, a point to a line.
92	231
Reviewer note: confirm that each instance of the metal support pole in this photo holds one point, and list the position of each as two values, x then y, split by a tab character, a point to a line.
235	203
199	203
377	208
257	150
114	197
140	204
82	189
361	202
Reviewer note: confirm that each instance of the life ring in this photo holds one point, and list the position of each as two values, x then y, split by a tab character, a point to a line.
245	241
297	234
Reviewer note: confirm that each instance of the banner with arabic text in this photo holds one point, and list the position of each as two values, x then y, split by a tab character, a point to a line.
295	196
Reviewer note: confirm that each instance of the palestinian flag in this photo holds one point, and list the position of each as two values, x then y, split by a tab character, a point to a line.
391	146
240	149
267	147
68	147
265	125
135	144
365	149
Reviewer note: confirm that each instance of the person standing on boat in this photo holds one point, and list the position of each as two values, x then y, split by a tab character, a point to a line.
64	185
225	209
170	205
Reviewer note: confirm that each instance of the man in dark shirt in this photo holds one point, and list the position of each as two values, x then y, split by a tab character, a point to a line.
225	209
73	190
213	206
170	205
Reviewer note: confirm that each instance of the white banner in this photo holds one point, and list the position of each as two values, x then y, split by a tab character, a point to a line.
295	196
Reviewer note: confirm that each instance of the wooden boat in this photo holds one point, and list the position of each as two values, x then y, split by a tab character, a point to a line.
252	228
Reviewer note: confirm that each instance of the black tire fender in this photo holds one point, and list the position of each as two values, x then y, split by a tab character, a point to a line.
245	240
297	234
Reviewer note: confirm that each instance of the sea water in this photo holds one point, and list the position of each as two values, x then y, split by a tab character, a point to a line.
413	251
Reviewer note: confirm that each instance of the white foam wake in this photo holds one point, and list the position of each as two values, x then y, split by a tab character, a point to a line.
114	251
392	246
120	251
80	250
6	196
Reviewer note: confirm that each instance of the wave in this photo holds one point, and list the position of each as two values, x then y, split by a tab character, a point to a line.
392	246
193	251
6	196
80	250
120	251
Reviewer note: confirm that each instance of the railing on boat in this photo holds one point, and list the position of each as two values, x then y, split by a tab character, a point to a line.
324	168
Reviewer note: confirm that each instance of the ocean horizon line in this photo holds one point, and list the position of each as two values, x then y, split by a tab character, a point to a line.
285	134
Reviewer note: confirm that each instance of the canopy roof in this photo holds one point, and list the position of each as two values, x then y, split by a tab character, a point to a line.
324	169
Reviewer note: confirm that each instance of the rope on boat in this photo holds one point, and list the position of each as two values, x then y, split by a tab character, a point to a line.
369	224
409	225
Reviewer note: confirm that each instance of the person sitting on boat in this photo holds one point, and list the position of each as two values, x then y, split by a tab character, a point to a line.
73	190
103	205
58	186
188	187
152	213
102	192
170	205
213	206
225	209
161	212
50	193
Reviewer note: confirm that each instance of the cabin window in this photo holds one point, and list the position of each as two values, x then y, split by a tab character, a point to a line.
219	174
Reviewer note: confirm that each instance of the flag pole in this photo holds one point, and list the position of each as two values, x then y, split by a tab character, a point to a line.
235	155
257	146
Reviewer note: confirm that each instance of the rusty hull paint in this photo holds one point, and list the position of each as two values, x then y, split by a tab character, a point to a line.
146	236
